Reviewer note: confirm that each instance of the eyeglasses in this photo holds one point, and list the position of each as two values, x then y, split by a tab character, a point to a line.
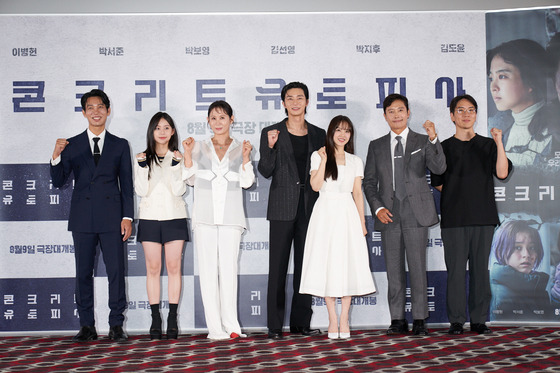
466	111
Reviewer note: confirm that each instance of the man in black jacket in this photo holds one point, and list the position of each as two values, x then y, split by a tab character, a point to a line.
285	153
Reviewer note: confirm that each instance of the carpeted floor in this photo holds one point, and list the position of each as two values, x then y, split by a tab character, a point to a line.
512	349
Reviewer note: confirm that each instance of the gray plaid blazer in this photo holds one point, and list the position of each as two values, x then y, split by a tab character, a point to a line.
279	163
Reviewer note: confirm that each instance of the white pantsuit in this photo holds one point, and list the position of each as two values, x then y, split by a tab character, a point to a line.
217	250
218	220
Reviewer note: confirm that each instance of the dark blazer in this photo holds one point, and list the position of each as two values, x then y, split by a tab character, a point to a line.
102	195
419	154
280	164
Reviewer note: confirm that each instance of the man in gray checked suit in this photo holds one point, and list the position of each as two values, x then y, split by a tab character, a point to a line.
397	191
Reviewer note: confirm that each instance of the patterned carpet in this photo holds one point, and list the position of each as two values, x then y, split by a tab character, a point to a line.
512	349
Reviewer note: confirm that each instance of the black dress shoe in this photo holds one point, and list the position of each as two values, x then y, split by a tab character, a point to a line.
455	328
398	327
480	328
275	334
419	328
304	330
116	333
86	333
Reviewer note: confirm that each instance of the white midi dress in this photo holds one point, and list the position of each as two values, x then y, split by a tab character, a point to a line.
336	261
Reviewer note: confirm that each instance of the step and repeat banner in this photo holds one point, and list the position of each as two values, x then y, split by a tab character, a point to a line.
182	63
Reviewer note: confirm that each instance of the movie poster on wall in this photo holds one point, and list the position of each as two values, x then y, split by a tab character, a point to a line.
523	54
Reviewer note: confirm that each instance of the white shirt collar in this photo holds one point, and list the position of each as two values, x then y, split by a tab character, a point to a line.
403	134
91	135
101	141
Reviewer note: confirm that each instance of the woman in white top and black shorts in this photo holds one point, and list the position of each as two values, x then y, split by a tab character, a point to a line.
162	216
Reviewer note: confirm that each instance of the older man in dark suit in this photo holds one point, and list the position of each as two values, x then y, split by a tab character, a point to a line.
101	210
285	151
397	191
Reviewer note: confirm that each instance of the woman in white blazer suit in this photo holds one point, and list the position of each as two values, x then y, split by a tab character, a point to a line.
219	168
162	216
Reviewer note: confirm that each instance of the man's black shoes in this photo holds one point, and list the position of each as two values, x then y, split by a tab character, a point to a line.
455	328
419	328
304	330
117	334
275	334
480	328
398	327
86	333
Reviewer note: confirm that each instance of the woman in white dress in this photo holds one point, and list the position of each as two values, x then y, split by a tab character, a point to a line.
219	168
336	262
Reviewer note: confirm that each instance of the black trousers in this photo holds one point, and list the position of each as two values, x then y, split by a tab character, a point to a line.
113	256
470	244
282	234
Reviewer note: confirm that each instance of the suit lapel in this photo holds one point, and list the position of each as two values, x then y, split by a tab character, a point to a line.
385	155
107	146
85	150
411	144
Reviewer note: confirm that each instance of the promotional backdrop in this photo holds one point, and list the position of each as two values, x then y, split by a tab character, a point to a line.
180	64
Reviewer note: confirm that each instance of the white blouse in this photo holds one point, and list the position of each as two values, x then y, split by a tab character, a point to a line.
347	173
218	197
162	193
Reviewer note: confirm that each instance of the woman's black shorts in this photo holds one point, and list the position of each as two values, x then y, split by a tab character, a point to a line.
162	231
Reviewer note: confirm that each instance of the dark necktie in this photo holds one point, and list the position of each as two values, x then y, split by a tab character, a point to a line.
400	191
96	151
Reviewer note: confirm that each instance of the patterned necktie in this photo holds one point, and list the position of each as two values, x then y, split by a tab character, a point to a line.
96	151
400	191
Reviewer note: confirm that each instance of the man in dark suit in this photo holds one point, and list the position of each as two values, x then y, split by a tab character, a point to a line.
101	210
397	191
285	153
